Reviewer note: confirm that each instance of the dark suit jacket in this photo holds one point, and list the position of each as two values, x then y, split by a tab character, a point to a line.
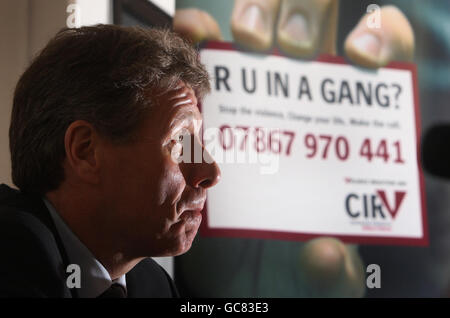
33	260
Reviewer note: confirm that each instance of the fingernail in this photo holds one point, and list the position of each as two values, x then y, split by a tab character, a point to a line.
368	44
296	27
253	18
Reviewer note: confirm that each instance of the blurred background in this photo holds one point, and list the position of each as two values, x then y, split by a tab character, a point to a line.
249	267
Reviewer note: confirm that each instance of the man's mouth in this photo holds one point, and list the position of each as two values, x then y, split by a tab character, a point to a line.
193	208
191	213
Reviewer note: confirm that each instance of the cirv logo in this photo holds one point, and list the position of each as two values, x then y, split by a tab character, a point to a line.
374	205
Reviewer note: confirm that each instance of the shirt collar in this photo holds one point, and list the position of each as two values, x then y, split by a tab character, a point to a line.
95	279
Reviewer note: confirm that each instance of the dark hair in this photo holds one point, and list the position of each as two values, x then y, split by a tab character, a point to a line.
103	74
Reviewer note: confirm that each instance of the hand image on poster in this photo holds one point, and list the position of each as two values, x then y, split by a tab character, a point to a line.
301	29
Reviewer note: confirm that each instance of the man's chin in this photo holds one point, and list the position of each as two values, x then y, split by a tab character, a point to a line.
183	249
179	249
186	241
182	238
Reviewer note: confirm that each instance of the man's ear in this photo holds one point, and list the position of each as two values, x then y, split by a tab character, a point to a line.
81	143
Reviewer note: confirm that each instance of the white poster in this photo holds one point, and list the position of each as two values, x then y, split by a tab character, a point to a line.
312	148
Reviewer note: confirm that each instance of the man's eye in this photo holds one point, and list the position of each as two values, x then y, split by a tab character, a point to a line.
178	138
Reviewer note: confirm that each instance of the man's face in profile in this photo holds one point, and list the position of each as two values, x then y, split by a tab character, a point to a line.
154	202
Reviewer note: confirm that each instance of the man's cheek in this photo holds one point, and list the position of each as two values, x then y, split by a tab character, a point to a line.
171	184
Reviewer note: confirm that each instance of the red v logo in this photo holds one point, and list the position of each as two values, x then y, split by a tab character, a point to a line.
399	196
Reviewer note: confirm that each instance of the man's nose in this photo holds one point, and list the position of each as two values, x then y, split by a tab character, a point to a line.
201	172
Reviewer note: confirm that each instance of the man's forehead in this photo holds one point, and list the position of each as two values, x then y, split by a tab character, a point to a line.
185	113
178	105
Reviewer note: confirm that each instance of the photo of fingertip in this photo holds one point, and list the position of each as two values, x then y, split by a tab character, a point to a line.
252	26
297	28
368	44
